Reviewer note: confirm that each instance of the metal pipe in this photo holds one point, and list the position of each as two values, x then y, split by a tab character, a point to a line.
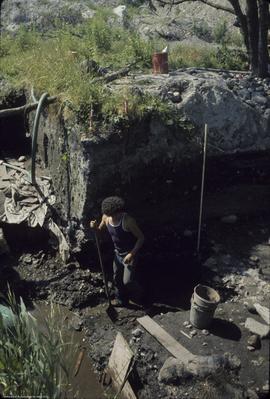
202	187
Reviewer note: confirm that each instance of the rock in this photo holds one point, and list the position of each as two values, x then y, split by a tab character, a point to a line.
263	311
266	114
250	348
254	258
119	11
22	158
254	340
27	259
44	13
173	371
229	219
265	388
176	371
193	333
4	248
233	361
245	94
260	100
257	328
137	333
252	394
205	332
186	323
76	323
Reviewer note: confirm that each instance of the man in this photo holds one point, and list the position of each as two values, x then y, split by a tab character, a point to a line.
127	239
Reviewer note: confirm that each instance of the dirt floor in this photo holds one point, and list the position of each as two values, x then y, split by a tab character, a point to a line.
235	260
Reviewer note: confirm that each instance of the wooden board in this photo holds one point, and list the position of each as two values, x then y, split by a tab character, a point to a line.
169	343
119	364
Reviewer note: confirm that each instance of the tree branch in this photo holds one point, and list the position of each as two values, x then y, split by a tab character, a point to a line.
110	77
25	108
207	2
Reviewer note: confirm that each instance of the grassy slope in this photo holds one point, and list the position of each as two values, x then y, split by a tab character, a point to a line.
47	61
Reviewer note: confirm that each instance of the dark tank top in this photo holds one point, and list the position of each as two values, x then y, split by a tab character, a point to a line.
123	240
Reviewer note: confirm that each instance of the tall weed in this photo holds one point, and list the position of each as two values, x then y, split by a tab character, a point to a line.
33	362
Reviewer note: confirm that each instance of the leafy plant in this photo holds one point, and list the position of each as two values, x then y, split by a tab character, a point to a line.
33	361
52	62
221	32
201	30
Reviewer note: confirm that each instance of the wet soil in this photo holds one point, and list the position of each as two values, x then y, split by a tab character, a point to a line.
168	271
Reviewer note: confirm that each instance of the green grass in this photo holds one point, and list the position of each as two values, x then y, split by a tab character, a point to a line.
33	362
45	61
51	62
220	57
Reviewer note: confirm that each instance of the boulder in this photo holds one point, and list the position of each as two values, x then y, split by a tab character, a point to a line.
175	371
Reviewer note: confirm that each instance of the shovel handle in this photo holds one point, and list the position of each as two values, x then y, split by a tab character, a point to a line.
102	268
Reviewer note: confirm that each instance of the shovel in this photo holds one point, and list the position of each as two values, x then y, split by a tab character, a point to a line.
111	312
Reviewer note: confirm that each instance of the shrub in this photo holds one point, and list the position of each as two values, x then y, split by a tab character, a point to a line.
201	30
220	32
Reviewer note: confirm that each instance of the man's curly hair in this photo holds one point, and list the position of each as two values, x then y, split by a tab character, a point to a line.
112	205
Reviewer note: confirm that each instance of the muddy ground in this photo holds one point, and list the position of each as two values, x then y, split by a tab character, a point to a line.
235	260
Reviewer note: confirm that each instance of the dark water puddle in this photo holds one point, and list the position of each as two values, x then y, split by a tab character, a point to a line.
84	384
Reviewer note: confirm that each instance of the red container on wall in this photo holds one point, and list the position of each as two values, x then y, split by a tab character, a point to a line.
160	63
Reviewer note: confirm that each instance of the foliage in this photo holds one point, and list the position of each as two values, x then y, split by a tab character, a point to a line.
220	32
201	30
224	36
203	56
229	58
33	362
52	62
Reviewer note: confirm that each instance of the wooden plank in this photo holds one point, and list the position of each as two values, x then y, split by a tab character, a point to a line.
119	365
170	343
263	311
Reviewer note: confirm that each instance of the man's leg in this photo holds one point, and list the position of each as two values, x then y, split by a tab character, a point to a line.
133	288
118	278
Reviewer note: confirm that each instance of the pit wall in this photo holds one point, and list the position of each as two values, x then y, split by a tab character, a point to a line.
155	166
133	162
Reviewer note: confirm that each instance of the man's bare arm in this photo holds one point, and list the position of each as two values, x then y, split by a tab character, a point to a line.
133	228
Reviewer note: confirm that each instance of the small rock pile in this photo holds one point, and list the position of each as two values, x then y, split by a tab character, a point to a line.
253	91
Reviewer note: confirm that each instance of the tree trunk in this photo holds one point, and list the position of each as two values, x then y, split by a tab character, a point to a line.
243	22
253	35
263	33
